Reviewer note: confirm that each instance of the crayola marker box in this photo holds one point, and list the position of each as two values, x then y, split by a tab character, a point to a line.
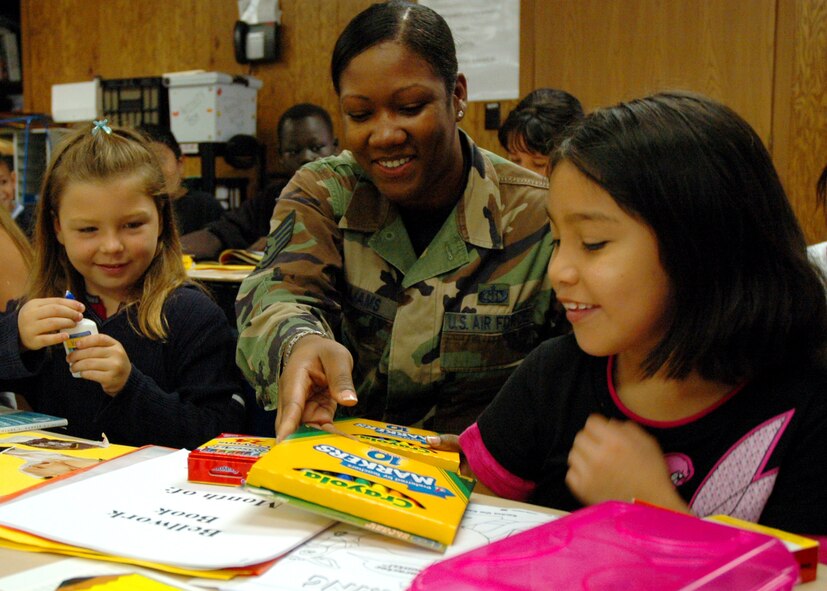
406	441
227	458
364	485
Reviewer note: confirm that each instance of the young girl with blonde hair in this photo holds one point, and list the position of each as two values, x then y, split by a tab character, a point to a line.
161	370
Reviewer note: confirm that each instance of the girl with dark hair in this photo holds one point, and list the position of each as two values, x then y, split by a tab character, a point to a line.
534	129
409	271
161	369
694	378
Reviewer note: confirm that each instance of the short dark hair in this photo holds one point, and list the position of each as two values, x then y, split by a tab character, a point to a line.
539	122
302	111
821	188
161	135
745	299
416	27
8	161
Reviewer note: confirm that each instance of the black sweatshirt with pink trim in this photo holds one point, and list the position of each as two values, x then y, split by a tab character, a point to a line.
180	393
759	454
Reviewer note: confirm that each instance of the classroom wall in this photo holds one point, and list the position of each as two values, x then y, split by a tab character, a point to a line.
765	58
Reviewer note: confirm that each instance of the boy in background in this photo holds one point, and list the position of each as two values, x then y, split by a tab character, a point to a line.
305	133
193	209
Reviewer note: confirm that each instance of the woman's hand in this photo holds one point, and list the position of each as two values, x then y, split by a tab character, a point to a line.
618	460
100	358
315	379
40	322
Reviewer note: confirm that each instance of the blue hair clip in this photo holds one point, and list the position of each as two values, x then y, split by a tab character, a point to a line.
102	124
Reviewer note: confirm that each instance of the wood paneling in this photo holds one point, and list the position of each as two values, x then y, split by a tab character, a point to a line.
800	108
767	59
604	51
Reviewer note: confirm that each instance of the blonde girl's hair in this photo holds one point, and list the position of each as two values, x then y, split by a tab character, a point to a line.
108	154
17	236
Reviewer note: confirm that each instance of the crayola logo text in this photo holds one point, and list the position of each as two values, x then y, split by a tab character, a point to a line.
357	488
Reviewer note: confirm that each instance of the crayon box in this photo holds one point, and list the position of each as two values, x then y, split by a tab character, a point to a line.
345	478
405	441
227	458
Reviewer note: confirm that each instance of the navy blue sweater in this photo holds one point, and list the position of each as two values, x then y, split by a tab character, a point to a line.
180	393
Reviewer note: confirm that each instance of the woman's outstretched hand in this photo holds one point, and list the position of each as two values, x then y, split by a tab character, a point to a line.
317	377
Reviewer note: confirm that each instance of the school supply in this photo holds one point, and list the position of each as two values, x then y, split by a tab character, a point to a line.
72	573
146	513
31	458
406	441
240	256
227	458
616	545
340	476
84	326
12	419
804	550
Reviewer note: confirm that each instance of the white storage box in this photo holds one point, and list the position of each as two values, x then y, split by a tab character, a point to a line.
211	106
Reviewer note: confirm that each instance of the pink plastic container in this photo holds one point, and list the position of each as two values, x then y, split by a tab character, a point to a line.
620	546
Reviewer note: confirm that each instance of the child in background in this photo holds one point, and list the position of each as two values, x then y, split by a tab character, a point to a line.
694	378
15	260
537	125
305	133
162	369
7	181
192	209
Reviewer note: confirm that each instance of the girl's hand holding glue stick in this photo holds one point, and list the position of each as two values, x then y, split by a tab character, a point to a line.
43	322
83	328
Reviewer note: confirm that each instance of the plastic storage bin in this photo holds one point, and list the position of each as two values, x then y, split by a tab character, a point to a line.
135	101
624	547
211	106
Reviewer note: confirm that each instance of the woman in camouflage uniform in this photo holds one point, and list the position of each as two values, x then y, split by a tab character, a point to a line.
405	278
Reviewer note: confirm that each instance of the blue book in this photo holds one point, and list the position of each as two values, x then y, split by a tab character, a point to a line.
12	420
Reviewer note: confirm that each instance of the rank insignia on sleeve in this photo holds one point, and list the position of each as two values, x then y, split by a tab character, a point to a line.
278	239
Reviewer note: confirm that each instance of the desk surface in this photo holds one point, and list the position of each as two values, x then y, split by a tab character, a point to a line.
221	275
12	561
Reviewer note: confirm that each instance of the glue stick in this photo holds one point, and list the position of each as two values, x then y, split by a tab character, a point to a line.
82	329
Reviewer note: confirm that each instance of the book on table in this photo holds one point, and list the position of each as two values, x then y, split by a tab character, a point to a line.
240	256
12	419
232	259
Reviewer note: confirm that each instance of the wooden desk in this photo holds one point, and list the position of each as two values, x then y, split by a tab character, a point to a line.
12	561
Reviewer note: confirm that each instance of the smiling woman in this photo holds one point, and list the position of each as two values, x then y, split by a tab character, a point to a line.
405	278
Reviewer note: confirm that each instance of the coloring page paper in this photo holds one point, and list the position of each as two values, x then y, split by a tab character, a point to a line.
346	557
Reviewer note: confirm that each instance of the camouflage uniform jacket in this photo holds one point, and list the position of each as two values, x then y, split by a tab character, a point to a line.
437	334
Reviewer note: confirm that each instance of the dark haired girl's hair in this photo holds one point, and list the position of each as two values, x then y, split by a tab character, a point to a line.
416	27
745	299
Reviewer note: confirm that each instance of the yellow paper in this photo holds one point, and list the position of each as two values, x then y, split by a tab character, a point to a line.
29	458
17	540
